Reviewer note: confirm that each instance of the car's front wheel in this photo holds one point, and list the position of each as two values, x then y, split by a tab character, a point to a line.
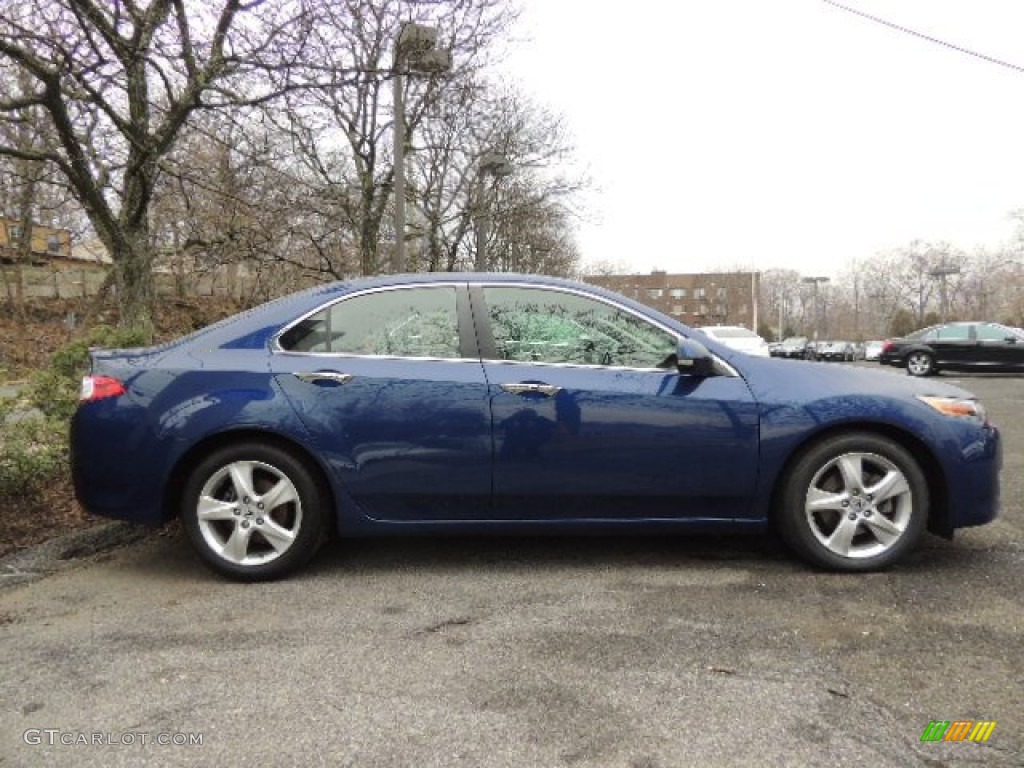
920	364
253	511
854	502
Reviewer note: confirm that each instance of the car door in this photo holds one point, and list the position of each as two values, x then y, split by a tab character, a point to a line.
999	348
953	345
394	396
592	419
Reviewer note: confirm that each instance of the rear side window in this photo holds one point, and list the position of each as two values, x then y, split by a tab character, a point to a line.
954	333
410	322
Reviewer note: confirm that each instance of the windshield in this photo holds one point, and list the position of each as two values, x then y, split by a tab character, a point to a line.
920	333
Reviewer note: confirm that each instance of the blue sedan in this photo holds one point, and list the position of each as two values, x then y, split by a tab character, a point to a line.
507	403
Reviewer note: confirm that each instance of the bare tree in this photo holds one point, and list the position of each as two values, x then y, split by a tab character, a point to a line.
781	304
528	214
119	81
343	136
231	202
28	194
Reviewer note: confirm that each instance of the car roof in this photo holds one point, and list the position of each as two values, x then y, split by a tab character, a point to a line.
252	328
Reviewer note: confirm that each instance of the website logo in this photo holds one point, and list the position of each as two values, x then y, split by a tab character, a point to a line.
958	730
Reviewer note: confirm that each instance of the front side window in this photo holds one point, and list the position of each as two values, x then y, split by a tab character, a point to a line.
537	325
410	322
990	332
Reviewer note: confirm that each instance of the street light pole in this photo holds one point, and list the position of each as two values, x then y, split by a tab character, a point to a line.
816	281
496	166
398	254
878	298
415	51
942	272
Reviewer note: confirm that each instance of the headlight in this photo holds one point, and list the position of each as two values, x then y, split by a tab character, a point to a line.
959	407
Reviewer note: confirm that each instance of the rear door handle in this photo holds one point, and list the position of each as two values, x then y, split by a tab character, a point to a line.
324	377
547	390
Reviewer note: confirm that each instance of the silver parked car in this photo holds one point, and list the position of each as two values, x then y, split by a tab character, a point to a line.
872	349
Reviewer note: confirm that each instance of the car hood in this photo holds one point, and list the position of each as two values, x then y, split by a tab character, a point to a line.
774	380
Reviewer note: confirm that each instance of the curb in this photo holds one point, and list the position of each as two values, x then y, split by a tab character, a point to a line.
66	551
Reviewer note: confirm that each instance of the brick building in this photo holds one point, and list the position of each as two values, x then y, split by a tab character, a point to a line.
711	298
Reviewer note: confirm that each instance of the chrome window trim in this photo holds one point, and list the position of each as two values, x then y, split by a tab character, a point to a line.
603	300
275	342
277	349
350	356
584	366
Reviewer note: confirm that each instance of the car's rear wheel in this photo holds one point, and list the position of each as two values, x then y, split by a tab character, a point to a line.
854	502
920	364
253	511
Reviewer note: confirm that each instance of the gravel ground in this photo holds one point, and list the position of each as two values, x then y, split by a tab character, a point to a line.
640	652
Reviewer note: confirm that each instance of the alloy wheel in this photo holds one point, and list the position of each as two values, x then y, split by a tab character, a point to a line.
919	364
859	505
249	513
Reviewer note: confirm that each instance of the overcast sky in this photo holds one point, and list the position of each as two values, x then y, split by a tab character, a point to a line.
782	133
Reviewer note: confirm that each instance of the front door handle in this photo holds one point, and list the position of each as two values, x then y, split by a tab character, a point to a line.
318	377
547	390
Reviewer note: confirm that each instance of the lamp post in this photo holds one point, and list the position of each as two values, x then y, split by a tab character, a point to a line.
415	51
721	305
755	299
496	166
782	316
879	299
943	271
816	281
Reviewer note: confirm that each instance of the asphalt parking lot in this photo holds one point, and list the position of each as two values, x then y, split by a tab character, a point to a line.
642	652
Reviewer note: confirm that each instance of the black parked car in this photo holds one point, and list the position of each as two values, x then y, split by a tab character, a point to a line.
844	351
957	347
794	346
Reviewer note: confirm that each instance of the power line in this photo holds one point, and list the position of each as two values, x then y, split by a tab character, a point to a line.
929	38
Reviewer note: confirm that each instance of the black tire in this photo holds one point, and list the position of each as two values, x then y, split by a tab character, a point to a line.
824	509
920	363
266	533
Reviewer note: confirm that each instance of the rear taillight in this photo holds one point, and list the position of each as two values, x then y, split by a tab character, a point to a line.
886	345
99	388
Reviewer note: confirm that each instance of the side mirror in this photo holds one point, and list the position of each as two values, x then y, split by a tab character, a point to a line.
694	359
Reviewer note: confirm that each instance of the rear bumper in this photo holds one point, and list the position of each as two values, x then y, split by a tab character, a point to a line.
113	475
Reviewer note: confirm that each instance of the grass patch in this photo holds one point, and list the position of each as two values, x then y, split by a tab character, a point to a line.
36	499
